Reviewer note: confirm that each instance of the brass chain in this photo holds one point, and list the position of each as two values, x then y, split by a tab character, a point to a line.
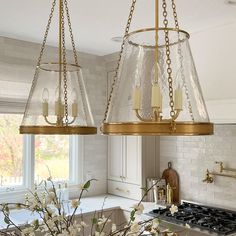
132	8
74	52
168	60
175	14
46	33
64	63
181	59
71	33
41	51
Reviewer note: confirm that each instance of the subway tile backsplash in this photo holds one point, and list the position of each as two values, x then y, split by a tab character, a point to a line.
192	156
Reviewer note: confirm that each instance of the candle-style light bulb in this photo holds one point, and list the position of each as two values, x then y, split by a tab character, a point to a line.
156	101
45	98
59	106
74	96
57	95
45	95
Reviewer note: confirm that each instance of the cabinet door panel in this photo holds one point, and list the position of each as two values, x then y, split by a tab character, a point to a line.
115	152
131	160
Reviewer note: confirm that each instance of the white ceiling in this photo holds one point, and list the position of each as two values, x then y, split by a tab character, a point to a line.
95	22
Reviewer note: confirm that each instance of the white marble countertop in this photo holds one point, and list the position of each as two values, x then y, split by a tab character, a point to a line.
88	205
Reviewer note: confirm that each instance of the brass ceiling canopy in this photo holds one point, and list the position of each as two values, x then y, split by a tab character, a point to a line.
58	102
156	90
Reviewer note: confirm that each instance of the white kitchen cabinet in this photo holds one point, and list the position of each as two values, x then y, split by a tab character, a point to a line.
131	160
115	168
124	159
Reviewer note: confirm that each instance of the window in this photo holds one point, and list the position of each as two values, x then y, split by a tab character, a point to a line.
28	159
52	155
11	151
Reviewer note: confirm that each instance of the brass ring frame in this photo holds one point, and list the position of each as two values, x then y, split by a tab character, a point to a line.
60	130
158	128
56	63
154	29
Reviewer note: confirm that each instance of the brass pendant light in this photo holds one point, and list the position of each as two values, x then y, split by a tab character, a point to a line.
58	102
156	89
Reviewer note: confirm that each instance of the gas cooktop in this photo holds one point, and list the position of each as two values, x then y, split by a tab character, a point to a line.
219	221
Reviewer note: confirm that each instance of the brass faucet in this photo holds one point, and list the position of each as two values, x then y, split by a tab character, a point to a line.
208	179
221	165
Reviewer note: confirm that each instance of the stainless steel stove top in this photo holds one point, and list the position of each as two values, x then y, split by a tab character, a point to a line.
210	219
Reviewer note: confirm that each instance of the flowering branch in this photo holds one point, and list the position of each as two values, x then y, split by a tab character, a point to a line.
55	221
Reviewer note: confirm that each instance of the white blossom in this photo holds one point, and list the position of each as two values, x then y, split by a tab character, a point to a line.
173	209
139	208
103	220
113	227
34	205
75	203
155	223
187	226
74	230
135	227
83	224
50	197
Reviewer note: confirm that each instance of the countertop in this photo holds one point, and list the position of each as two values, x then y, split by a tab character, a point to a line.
88	205
95	203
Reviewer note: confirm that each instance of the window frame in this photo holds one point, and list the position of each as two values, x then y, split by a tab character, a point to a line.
76	157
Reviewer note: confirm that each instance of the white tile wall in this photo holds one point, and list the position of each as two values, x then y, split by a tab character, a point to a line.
95	147
192	156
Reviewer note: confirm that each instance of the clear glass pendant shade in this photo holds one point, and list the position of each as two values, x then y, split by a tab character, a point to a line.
46	110
58	102
143	87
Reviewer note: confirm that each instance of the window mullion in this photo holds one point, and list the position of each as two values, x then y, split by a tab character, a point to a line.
29	160
76	159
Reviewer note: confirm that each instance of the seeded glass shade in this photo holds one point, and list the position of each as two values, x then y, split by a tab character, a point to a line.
137	70
46	112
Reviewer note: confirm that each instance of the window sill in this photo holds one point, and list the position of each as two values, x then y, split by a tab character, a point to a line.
18	194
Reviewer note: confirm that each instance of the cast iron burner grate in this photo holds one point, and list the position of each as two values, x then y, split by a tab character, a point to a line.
220	221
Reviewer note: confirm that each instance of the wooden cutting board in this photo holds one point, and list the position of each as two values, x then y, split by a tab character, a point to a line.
172	178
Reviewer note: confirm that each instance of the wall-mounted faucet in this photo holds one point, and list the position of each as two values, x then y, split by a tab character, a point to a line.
209	179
